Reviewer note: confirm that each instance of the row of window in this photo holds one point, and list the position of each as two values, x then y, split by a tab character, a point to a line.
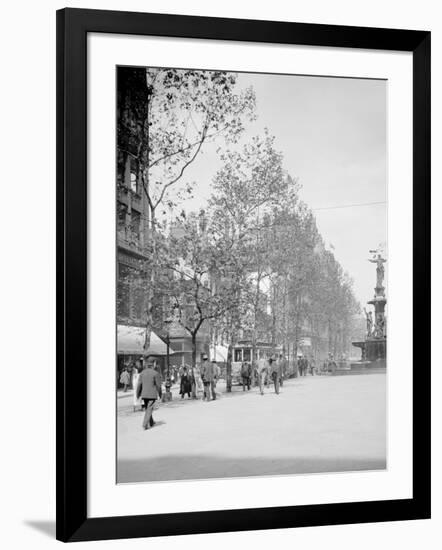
133	224
130	294
132	297
128	173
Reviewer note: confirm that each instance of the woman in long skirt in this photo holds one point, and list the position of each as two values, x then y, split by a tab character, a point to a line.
185	385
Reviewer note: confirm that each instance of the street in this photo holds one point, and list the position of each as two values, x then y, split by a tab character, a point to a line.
316	424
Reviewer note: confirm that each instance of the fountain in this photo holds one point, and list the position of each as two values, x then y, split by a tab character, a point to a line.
374	347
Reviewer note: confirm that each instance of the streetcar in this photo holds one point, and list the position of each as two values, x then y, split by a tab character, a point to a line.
243	351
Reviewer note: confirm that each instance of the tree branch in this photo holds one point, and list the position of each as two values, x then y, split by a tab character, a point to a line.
183	168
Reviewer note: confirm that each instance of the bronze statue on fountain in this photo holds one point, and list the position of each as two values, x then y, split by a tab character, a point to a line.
374	347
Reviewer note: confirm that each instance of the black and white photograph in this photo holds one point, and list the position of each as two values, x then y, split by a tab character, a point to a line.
251	274
215	216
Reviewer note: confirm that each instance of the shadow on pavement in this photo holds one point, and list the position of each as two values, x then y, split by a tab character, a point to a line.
45	527
181	467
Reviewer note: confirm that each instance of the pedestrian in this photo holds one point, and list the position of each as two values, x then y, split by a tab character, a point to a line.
331	367
306	366
216	377
134	375
262	370
136	401
206	384
193	377
199	386
283	368
185	384
208	375
125	379
312	366
275	373
246	374
149	389
301	365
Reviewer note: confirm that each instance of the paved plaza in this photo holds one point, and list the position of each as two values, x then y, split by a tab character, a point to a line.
316	424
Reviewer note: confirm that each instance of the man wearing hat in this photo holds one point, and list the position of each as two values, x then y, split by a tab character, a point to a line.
149	389
209	374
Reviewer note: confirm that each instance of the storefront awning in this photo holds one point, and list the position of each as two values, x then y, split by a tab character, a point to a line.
130	341
221	354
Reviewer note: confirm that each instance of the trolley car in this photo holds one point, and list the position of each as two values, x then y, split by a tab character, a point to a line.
243	351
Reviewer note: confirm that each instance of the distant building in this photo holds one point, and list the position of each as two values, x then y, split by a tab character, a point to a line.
181	344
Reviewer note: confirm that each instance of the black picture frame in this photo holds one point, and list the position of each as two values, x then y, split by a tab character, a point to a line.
73	25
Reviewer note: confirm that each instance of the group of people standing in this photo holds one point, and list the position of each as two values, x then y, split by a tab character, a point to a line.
306	366
269	369
272	368
147	383
129	374
205	379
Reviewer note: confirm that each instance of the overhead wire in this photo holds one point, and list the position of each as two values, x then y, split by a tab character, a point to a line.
348	205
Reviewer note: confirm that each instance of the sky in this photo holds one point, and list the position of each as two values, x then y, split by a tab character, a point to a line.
332	132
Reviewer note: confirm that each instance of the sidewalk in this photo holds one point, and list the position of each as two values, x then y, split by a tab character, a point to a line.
316	424
221	393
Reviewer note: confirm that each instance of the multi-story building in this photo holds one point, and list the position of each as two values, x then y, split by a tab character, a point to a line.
132	221
133	227
132	240
132	207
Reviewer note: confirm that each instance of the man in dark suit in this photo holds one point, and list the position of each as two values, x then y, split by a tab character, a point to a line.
149	389
275	373
246	375
209	376
301	366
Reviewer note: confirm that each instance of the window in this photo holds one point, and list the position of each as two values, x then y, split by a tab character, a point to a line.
246	355
135	223
134	175
121	215
121	166
123	291
238	355
138	301
133	182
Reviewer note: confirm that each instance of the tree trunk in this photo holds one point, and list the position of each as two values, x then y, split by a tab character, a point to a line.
295	359
255	321
229	363
193	350
150	295
295	343
286	341
152	237
273	319
193	365
287	352
330	337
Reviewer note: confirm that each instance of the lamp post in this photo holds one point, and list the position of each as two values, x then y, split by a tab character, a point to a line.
168	393
168	360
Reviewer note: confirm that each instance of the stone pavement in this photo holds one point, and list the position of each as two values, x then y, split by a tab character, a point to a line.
316	424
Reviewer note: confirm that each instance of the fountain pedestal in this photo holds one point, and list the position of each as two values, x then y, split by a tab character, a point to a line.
374	347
